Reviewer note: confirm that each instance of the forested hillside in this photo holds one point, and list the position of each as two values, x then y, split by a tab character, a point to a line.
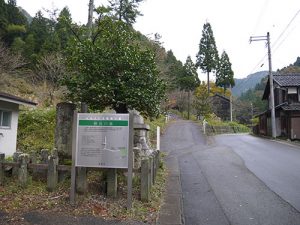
33	52
244	84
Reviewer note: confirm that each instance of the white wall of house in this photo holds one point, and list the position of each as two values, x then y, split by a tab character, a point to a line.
8	135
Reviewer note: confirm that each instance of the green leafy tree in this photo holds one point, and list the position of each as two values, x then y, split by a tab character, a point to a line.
224	73
113	71
125	10
29	48
207	57
173	71
18	45
41	29
13	23
201	101
63	28
189	79
14	16
3	18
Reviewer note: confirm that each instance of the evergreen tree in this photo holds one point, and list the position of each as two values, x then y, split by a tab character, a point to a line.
189	79
41	28
297	63
62	27
224	73
201	101
14	16
3	18
174	70
125	10
29	48
207	57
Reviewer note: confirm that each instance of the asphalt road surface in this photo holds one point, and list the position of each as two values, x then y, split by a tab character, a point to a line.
276	164
219	181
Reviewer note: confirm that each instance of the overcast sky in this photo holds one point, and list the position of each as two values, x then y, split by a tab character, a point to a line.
180	23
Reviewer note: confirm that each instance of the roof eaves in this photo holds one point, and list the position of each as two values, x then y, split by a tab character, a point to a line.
15	99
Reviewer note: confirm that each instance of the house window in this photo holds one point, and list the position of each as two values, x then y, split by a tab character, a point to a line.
292	95
5	119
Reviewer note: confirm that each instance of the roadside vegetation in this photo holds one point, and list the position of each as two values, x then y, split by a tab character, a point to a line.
16	200
220	127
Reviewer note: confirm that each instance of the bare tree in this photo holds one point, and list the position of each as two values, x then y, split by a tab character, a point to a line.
49	70
10	63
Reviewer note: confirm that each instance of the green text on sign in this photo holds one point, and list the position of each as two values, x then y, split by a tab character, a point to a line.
104	123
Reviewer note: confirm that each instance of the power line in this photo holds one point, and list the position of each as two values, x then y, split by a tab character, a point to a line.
277	47
285	29
276	41
262	11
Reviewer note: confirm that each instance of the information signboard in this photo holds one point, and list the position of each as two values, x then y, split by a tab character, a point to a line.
102	140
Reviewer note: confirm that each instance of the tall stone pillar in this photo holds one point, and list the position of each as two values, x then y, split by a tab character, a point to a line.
63	131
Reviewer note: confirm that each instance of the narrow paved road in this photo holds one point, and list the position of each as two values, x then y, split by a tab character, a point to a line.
217	187
276	164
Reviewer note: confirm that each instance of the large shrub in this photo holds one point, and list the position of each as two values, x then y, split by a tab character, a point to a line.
36	129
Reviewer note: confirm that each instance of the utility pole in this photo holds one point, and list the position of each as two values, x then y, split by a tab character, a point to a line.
84	106
90	18
252	113
272	106
230	103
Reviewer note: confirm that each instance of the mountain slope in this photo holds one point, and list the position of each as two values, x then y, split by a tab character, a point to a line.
26	14
244	84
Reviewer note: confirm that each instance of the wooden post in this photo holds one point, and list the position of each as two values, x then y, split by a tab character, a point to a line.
81	172
151	170
130	163
52	174
156	165
158	160
2	157
81	180
112	183
158	138
73	170
23	172
145	180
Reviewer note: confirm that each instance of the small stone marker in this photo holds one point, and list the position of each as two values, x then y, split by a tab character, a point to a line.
52	175
145	180
23	172
44	156
16	159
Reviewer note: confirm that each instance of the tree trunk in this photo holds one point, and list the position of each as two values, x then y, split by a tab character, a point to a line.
208	89
189	96
121	9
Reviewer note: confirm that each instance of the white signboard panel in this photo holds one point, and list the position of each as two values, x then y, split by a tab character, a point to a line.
102	140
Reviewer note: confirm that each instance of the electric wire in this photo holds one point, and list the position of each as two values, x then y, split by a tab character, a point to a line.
261	14
274	48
